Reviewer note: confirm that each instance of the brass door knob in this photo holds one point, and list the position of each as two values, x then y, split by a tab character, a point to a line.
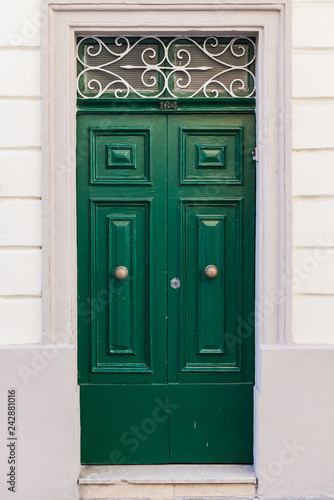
121	272
211	271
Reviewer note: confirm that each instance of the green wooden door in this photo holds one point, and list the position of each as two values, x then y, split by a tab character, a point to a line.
166	371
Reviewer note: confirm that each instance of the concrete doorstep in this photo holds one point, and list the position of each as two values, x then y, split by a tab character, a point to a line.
187	498
161	482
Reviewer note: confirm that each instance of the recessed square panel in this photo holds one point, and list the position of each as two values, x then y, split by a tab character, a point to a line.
120	155
211	155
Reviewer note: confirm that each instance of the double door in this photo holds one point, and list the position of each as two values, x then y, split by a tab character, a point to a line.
166	210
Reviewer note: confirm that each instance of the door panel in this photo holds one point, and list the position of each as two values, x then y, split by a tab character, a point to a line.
212	423
124	424
211	216
195	206
210	232
165	196
210	296
121	327
122	220
210	154
120	155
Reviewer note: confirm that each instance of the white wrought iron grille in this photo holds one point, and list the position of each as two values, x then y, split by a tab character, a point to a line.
152	67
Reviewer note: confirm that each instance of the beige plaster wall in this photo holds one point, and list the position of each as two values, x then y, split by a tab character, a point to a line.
313	171
20	172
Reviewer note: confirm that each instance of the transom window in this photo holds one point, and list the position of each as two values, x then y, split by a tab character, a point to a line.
157	67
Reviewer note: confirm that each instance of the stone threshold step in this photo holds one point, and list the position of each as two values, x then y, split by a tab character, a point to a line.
197	498
166	474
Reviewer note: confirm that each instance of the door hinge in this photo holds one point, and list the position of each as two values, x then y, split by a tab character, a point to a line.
255	154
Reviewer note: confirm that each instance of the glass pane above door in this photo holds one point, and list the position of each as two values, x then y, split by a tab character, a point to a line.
157	67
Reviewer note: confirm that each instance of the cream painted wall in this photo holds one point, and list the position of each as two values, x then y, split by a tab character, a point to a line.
313	171
20	172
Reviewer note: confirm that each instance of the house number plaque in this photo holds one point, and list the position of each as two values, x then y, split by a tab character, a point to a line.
168	105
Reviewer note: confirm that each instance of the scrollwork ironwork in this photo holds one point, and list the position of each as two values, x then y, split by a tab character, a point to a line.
166	69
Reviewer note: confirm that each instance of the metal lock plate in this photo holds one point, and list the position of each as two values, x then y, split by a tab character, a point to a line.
175	283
